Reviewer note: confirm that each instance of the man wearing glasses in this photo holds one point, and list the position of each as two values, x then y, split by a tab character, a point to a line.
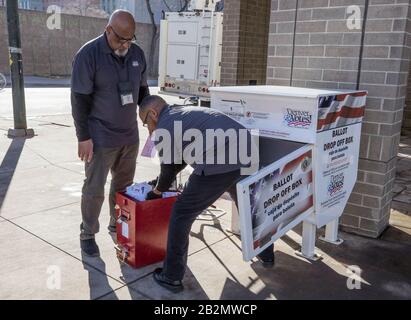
109	80
210	179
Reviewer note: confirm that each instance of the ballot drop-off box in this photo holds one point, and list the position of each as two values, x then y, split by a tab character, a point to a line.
142	229
309	142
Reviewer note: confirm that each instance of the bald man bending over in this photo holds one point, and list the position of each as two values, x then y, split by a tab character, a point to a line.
109	80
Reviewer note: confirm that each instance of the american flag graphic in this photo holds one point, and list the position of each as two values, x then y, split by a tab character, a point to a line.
340	110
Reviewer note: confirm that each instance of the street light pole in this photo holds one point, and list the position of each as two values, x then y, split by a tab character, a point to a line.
16	68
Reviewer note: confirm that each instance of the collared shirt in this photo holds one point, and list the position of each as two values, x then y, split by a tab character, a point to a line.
183	121
96	73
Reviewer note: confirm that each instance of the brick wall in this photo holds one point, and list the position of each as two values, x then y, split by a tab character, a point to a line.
245	41
50	52
406	124
326	56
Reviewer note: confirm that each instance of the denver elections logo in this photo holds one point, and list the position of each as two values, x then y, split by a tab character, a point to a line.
336	184
298	119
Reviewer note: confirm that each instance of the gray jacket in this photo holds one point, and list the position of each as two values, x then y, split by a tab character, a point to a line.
206	139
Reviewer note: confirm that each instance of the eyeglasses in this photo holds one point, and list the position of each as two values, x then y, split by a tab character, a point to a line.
145	120
123	40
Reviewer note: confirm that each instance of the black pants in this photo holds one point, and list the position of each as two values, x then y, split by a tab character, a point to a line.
199	193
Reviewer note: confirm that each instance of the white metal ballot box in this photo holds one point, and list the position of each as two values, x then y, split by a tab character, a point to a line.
309	147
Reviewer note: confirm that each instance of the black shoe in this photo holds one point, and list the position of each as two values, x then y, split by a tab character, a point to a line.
173	286
267	260
90	248
112	229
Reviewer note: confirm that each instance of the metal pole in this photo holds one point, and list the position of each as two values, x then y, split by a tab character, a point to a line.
308	242
16	68
331	233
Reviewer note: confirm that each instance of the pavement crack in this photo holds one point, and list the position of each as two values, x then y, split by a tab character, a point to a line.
42	211
63	251
109	293
54	124
208	246
52	163
130	288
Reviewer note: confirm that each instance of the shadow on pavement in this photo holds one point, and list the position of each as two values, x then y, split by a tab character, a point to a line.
385	273
396	233
8	166
145	288
97	278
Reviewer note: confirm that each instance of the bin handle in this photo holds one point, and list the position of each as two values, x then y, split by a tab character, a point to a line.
125	215
122	253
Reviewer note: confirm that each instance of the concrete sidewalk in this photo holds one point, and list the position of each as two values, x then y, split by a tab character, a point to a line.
40	188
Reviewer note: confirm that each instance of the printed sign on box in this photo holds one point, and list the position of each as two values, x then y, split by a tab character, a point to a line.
274	200
336	154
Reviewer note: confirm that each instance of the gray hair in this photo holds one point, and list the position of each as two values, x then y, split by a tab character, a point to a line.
152	101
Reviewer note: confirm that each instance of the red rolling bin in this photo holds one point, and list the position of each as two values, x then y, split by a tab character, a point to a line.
142	229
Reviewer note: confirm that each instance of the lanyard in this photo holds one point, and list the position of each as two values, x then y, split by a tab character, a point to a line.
119	64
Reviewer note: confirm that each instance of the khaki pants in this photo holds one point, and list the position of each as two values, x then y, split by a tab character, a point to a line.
121	162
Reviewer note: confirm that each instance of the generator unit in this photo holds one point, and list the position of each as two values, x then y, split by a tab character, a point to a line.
190	52
203	5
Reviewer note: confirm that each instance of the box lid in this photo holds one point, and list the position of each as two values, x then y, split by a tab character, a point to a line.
282	91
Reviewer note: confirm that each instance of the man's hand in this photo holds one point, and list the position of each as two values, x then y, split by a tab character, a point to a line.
153	183
155	194
85	150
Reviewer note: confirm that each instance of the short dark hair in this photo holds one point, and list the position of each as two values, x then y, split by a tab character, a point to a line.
151	101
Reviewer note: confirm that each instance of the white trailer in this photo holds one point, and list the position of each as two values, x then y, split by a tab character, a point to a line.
190	52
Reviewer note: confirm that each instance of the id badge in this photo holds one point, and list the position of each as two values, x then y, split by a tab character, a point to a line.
126	93
126	99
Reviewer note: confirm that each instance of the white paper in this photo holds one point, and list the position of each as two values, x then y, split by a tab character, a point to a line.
169	194
139	191
148	150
